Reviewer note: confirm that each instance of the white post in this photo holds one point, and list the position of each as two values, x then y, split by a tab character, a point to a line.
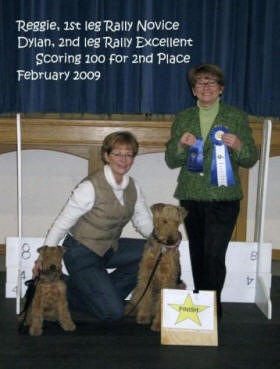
19	212
262	296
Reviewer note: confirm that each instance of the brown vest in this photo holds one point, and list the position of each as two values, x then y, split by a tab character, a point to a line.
101	227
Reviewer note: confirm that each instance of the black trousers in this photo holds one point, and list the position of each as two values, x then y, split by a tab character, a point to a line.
209	226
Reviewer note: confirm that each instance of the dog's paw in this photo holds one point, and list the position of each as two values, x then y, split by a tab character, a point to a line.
181	286
155	326
68	326
143	319
35	331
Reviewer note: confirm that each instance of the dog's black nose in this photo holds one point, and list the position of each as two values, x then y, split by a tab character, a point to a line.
170	241
53	267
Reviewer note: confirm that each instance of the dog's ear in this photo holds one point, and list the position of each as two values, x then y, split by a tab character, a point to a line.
157	207
62	249
183	212
41	249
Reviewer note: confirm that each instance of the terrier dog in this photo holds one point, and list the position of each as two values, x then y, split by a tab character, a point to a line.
49	301
163	243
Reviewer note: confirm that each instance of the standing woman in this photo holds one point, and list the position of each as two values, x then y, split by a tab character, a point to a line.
92	221
210	141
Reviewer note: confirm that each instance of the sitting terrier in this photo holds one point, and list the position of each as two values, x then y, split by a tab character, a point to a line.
49	300
162	248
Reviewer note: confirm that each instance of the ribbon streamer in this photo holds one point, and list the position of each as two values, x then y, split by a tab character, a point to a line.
195	162
221	169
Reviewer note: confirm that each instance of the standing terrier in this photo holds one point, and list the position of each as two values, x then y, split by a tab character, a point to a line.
163	243
49	301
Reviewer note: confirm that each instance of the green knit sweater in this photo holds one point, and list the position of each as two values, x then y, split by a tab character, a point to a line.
197	186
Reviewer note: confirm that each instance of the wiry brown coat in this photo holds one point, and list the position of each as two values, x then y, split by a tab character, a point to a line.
166	219
49	301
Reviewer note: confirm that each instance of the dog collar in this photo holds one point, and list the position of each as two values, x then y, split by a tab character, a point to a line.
164	247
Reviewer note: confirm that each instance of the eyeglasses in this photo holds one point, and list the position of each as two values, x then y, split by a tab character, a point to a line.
210	83
119	155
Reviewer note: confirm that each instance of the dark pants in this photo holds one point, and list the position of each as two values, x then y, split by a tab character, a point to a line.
209	226
91	287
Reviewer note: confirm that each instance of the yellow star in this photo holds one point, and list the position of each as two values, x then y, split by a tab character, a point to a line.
188	311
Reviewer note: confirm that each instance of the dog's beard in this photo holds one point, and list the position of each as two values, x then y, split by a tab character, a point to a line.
169	240
50	275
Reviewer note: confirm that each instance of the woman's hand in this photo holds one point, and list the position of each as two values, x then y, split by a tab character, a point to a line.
188	139
232	141
37	268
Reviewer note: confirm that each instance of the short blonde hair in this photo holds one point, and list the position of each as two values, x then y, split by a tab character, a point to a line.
119	138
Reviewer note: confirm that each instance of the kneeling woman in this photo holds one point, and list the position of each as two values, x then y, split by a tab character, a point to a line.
92	221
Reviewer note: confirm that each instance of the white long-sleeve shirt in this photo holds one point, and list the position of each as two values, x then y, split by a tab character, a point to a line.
82	200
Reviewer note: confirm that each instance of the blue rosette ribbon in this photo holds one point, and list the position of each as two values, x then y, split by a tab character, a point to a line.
221	169
195	162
